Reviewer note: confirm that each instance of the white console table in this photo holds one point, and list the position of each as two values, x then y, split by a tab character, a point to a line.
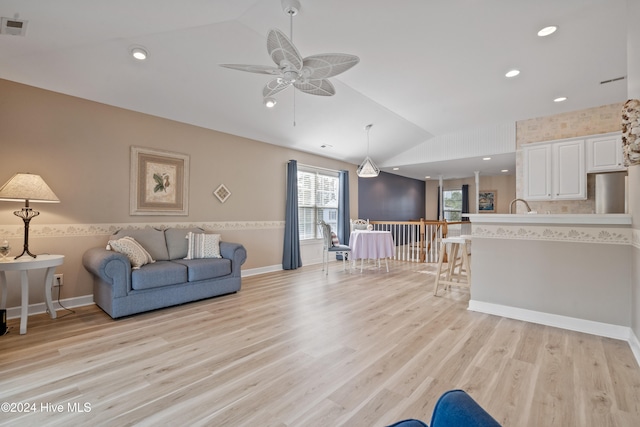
23	265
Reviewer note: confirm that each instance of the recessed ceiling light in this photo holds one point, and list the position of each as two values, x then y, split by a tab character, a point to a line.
427	177
139	53
547	31
396	169
486	158
504	170
512	73
560	99
326	146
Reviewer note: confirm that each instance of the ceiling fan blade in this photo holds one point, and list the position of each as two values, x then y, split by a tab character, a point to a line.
260	69
327	65
322	87
273	87
282	51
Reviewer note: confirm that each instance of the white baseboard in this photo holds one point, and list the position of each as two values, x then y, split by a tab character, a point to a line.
14	312
635	346
607	330
272	268
261	270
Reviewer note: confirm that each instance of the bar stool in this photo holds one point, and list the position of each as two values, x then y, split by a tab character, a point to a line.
458	270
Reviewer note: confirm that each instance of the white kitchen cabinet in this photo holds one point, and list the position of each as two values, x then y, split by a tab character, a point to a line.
604	153
555	171
537	172
569	176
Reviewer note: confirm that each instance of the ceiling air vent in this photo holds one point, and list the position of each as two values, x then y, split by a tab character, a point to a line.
612	80
13	27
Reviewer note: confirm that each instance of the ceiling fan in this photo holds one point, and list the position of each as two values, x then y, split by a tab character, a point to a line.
309	75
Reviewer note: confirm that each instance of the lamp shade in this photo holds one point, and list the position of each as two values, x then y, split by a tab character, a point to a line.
368	169
27	187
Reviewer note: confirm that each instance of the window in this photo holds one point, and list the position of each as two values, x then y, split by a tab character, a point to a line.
317	200
452	205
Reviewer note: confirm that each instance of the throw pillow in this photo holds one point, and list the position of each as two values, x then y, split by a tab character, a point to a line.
138	256
334	239
203	245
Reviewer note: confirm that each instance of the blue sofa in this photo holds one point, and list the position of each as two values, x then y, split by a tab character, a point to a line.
120	290
455	408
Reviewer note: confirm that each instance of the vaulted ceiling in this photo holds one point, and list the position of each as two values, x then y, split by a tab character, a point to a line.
427	68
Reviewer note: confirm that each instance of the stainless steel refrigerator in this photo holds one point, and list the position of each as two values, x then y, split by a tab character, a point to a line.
611	192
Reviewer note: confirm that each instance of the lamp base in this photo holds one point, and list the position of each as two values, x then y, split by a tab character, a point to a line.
26	214
25	251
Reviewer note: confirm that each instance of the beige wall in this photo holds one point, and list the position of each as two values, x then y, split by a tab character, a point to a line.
504	185
592	121
82	150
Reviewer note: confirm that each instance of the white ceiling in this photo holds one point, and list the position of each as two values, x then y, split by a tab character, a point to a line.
427	68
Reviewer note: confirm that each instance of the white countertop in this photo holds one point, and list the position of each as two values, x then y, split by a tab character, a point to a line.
560	219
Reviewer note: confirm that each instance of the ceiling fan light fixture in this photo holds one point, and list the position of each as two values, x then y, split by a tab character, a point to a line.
368	168
139	53
270	102
309	75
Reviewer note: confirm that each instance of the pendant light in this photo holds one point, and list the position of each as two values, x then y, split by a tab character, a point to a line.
367	168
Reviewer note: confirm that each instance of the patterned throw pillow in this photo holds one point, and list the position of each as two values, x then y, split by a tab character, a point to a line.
138	256
203	245
334	239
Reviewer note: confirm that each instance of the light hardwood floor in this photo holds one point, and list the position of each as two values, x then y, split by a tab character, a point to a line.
298	348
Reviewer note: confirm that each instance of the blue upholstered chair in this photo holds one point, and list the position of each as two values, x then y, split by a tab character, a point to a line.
330	247
455	408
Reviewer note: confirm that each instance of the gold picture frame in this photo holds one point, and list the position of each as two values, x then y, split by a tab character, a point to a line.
159	182
487	201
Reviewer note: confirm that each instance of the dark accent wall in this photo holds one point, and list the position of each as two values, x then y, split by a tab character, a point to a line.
390	197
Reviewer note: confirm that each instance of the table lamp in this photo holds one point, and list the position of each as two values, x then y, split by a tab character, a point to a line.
30	188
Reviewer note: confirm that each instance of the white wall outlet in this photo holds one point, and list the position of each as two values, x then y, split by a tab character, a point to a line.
58	280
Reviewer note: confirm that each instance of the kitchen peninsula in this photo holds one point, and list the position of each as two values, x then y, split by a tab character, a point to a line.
570	271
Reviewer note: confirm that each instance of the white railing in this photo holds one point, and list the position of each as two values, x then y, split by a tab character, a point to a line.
416	241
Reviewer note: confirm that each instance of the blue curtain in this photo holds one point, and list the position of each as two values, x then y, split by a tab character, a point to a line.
344	226
465	201
291	258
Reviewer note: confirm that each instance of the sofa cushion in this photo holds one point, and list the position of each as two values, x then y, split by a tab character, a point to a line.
128	246
201	245
177	243
162	273
151	239
203	269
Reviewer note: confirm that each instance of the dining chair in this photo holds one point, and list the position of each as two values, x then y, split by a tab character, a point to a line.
331	245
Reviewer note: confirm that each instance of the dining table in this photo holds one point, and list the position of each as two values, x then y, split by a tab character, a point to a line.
374	244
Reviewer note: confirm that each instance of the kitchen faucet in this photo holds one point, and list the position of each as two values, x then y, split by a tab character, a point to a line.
521	200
